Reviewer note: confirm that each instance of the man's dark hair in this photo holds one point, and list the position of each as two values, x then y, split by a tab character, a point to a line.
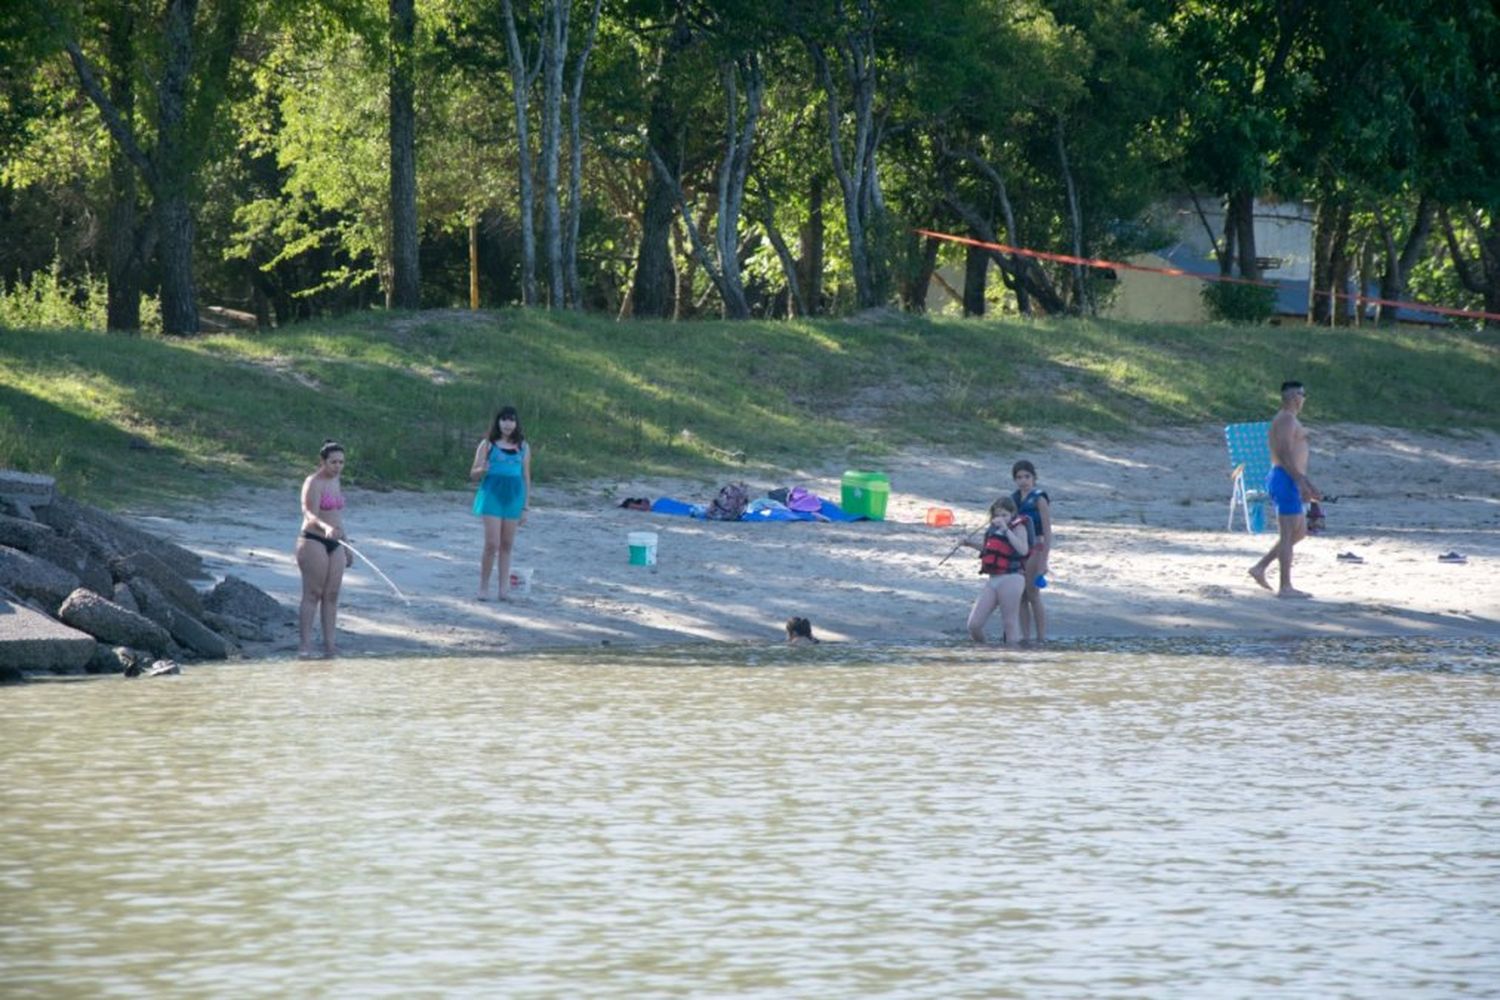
1287	387
799	628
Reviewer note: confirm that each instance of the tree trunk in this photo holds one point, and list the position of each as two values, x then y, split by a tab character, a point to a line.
1231	231
854	217
796	304
976	266
734	172
474	263
1023	275
810	238
1015	268
1081	301
919	279
123	263
179	300
652	291
856	173
554	61
520	90
406	284
573	291
1398	266
1340	266
1320	283
1330	260
174	217
1243	203
1481	277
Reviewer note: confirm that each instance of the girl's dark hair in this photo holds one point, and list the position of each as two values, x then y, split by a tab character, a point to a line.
496	436
1022	466
329	447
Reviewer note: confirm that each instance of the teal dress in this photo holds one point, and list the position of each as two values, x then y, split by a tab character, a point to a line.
502	493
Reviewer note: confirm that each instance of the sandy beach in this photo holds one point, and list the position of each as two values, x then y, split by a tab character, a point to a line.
1140	550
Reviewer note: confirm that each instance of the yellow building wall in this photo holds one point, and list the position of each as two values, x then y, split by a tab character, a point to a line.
1156	298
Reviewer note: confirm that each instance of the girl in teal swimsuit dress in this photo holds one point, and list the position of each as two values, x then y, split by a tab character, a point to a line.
502	493
503	459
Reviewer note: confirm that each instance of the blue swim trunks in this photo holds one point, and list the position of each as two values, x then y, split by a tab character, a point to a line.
1283	490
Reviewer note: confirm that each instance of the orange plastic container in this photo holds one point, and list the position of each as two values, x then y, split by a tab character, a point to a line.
939	517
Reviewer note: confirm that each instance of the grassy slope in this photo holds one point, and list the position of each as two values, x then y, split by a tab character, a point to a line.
411	394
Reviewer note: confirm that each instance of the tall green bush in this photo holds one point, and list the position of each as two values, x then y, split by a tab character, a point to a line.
1235	303
48	300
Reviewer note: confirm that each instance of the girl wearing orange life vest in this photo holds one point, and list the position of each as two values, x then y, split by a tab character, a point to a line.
1002	560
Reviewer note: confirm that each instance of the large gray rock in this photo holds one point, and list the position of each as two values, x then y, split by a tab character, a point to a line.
19	533
23	492
111	537
43	541
124	598
198	638
190	633
236	627
233	596
167	580
147	599
64	554
27	576
30	640
106	620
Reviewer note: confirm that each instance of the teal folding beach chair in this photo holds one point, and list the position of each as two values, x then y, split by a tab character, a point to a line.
1249	461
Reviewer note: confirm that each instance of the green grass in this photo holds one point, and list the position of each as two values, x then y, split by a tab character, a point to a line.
124	419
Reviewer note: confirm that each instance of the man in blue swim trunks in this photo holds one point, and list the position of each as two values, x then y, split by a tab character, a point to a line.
1288	486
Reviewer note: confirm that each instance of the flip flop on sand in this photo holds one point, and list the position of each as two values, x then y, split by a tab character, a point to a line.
1351	557
1453	557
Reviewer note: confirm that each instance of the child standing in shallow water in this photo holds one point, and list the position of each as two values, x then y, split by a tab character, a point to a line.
1002	560
1033	502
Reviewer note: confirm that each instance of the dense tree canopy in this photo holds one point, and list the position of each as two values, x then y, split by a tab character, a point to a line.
734	157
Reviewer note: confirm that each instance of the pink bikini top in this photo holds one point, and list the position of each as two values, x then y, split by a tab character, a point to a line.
331	501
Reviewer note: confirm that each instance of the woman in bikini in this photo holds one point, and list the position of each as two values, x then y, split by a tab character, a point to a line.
320	557
503	458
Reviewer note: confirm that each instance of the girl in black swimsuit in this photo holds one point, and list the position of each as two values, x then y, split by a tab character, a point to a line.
321	564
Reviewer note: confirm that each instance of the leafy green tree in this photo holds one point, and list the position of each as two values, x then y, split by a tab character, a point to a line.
193	58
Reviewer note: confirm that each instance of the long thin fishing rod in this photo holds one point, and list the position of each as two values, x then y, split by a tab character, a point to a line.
391	583
960	544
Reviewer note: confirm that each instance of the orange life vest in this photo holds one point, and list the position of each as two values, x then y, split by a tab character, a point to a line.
997	555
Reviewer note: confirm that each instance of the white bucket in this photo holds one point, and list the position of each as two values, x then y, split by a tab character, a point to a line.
520	579
642	548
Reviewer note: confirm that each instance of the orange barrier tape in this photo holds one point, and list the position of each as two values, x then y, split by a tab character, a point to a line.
1175	272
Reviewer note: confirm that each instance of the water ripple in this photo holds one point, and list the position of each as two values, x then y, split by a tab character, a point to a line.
1310	818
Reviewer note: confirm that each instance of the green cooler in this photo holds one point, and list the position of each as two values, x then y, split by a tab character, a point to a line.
866	493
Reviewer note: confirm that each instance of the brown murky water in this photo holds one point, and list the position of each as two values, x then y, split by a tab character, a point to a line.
1303	819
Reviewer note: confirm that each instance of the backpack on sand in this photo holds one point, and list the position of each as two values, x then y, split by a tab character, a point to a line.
730	504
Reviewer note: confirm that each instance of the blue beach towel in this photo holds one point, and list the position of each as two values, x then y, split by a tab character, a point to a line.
834	512
829	510
667	505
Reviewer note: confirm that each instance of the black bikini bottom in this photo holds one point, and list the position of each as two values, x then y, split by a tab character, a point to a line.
331	544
